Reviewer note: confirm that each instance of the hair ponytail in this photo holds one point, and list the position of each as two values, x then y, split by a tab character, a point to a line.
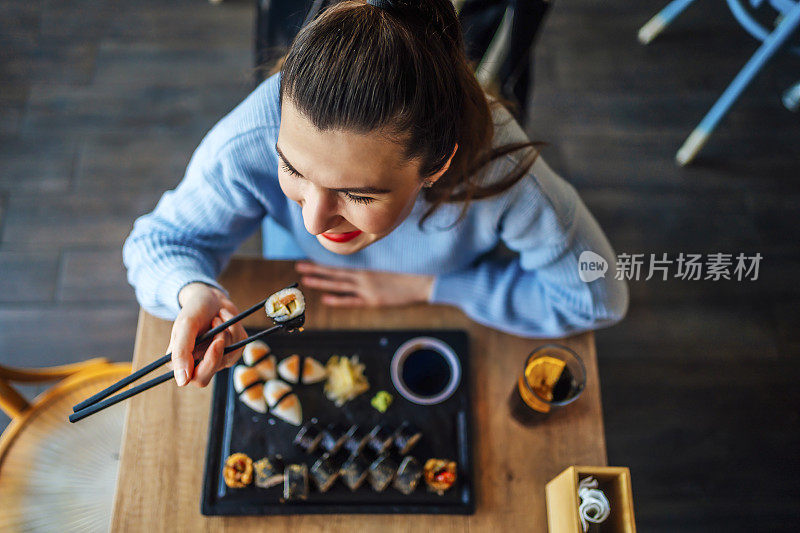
402	71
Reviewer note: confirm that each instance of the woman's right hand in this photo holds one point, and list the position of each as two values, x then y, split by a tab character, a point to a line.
202	307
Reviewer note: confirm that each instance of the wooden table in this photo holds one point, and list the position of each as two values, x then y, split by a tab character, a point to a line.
166	430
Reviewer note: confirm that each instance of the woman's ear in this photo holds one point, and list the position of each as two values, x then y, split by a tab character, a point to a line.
430	180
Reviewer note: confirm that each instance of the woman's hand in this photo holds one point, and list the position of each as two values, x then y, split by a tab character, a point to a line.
202	307
345	287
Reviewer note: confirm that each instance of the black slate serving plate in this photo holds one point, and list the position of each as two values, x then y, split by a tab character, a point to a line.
446	429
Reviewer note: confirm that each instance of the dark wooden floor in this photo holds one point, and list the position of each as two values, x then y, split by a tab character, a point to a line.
102	103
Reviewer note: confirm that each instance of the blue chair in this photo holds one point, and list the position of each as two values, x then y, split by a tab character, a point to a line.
786	24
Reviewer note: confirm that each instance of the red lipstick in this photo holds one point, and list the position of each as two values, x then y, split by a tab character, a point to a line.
342	237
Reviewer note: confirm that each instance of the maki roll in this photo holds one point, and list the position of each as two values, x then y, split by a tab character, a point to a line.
312	370
406	437
257	355
407	475
248	384
379	439
333	437
325	471
338	459
285	304
238	471
269	471
354	471
381	472
295	482
308	437
355	440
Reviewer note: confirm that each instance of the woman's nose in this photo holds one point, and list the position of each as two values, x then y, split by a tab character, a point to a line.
319	212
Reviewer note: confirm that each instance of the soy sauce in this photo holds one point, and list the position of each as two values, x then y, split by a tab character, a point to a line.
426	372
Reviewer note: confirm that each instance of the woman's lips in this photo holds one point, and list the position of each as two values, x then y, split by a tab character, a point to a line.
342	237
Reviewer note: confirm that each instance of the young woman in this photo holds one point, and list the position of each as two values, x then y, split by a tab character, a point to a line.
375	155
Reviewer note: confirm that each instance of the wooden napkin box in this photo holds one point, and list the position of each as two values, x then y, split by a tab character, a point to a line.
563	501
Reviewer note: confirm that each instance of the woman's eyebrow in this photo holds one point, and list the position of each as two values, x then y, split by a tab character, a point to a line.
356	190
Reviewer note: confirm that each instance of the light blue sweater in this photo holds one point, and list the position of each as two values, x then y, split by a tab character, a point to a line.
231	187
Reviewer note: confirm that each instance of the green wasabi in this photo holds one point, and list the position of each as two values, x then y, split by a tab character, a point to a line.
382	400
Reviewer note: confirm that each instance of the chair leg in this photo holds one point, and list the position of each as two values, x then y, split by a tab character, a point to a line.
771	44
791	97
662	19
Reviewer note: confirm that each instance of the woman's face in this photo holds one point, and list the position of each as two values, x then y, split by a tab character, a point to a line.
353	189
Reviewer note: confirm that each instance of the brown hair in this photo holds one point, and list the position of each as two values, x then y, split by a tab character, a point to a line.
401	72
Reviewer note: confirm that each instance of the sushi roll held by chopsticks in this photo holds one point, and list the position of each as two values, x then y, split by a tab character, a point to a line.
285	304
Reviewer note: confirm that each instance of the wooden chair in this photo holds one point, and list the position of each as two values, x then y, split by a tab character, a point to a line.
57	476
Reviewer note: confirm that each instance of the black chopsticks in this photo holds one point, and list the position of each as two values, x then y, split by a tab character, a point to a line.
101	400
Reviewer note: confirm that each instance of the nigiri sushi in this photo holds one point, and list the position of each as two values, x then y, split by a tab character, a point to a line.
257	354
269	471
248	384
313	371
285	304
289	409
295	482
274	390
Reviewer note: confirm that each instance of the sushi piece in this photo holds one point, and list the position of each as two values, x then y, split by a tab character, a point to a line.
289	409
274	390
313	371
257	355
338	459
285	304
381	472
269	471
355	440
308	437
407	476
333	437
380	439
440	474
406	437
248	384
325	471
238	471
295	482
354	471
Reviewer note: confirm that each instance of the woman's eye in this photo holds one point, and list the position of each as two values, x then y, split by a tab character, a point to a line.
359	199
289	169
